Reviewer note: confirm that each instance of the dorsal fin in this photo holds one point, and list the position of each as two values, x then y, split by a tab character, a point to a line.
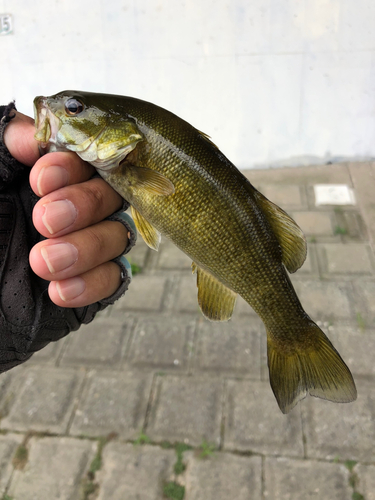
207	138
288	233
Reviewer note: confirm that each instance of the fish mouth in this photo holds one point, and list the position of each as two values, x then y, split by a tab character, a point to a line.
46	123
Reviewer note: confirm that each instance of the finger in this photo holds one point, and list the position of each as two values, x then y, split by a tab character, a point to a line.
75	207
88	288
56	170
76	253
19	139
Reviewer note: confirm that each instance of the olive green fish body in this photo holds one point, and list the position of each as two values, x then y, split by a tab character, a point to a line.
217	231
180	185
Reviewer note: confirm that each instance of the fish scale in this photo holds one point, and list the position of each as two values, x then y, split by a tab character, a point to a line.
180	185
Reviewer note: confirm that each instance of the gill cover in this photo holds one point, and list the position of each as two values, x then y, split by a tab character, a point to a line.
71	121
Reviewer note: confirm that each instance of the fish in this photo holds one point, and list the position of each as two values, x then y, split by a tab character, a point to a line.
180	185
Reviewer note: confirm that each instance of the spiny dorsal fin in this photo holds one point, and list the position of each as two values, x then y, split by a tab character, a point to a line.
149	180
146	230
207	138
288	234
215	300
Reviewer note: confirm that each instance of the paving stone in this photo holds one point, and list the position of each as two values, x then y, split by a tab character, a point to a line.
134	472
161	342
186	409
352	223
145	293
113	402
54	469
49	355
231	346
366	480
288	479
348	259
187	296
100	343
171	257
310	264
337	173
284	195
45	400
356	346
323	300
255	424
314	223
223	476
8	445
344	431
363	175
365	301
138	253
7	390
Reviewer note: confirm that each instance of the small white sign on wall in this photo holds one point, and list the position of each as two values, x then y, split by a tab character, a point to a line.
333	194
6	24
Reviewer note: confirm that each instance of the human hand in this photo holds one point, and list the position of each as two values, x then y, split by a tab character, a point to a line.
76	256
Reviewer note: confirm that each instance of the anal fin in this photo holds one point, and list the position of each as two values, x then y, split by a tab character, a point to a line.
215	299
151	235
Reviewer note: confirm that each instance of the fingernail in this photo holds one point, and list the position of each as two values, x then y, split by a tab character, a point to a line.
71	288
59	256
51	178
58	215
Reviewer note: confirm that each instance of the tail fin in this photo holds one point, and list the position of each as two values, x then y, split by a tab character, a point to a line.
316	369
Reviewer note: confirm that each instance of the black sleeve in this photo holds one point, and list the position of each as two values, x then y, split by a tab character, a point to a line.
29	320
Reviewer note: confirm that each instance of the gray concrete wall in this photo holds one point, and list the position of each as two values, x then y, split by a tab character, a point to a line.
274	82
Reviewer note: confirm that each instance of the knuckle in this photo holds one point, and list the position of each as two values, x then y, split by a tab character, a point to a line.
108	276
95	240
96	196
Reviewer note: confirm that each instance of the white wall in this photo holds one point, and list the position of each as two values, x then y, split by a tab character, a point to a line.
274	82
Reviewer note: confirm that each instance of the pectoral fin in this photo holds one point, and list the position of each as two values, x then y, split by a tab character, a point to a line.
288	234
149	180
151	235
215	300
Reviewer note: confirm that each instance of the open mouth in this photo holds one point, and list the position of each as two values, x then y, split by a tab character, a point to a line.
47	124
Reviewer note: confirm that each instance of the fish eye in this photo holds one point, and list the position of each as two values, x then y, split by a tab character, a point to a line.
73	107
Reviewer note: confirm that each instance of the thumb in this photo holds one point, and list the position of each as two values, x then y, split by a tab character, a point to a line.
19	139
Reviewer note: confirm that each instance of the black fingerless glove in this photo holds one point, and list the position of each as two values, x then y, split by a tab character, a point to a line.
29	320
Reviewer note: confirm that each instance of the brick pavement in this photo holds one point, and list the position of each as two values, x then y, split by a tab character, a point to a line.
151	401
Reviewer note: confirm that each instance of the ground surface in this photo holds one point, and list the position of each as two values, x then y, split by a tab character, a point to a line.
151	401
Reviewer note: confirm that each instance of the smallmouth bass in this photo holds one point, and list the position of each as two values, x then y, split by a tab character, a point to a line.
181	186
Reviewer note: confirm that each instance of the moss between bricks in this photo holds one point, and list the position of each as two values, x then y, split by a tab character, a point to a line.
136	269
353	479
142	439
89	487
21	457
174	491
207	449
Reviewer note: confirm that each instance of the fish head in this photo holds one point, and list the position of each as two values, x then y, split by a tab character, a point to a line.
87	124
